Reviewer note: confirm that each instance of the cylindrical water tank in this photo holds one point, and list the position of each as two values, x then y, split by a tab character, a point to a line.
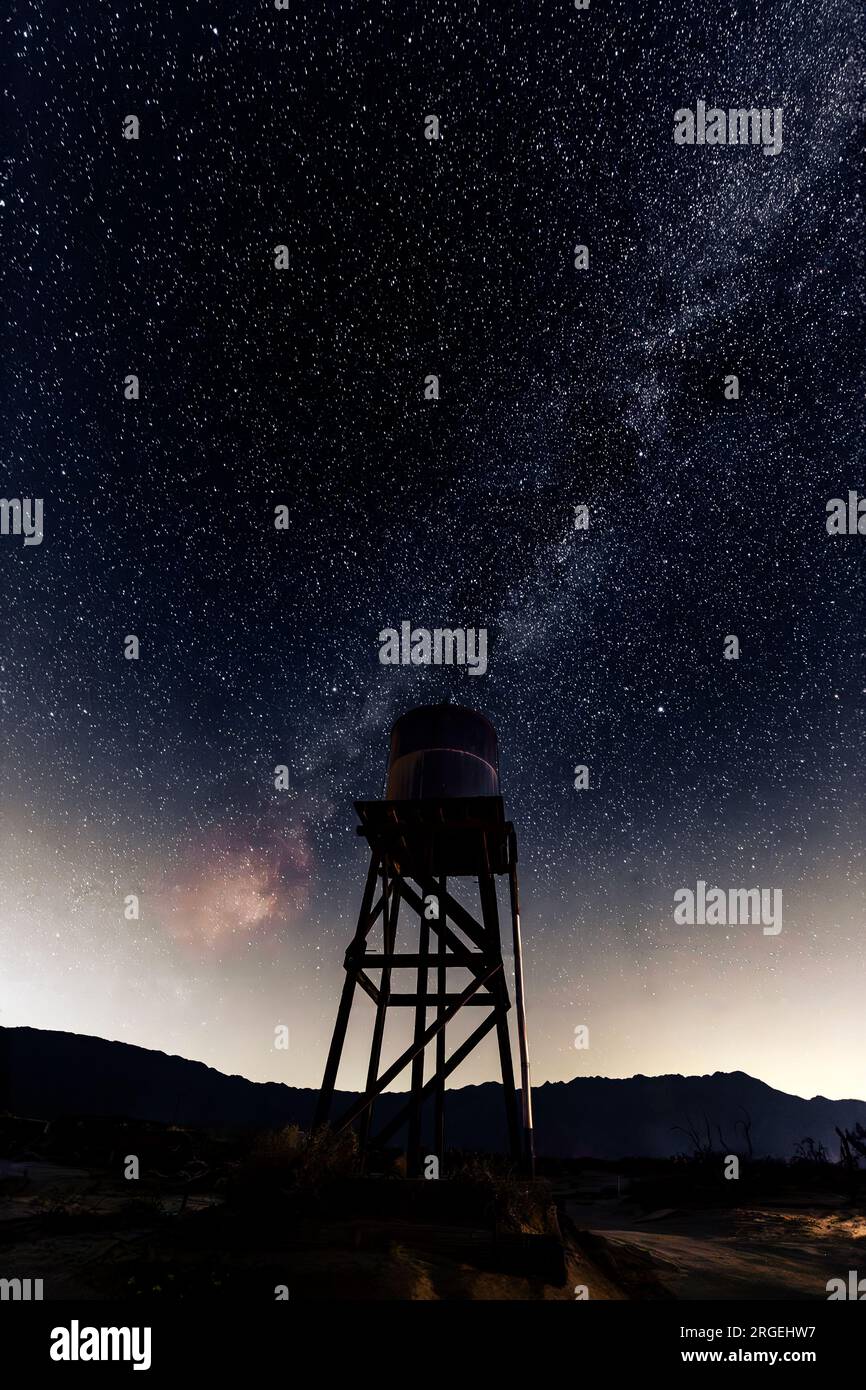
442	751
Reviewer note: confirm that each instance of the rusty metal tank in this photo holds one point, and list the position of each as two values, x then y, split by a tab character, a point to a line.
442	751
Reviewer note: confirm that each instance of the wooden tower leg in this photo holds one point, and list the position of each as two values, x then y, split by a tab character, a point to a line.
441	991
326	1094
390	912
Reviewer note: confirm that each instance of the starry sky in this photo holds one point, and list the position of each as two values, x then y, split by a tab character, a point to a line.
304	388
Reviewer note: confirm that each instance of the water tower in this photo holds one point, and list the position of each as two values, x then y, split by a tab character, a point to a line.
442	819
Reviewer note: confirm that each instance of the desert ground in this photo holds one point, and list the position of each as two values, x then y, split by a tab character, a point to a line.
766	1251
212	1217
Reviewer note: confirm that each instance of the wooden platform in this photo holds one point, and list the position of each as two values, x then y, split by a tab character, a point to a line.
457	836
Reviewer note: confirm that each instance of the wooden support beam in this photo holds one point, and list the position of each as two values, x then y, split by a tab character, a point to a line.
390	925
365	922
407	961
439	1076
453	1062
365	1101
405	1001
463	919
440	927
368	987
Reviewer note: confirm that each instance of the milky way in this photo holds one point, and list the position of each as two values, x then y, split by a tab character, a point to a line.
558	387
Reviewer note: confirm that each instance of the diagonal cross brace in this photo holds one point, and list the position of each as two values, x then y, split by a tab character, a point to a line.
441	928
451	1065
405	1058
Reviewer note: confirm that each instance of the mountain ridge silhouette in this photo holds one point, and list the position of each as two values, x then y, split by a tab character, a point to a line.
46	1073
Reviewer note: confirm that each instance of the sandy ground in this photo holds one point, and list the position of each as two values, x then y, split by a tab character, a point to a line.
75	1229
759	1252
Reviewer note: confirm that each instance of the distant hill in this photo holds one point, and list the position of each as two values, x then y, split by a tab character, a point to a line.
44	1074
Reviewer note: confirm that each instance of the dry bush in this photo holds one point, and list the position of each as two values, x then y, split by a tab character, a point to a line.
295	1161
514	1202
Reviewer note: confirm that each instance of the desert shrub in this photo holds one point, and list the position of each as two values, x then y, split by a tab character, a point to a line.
807	1151
295	1162
513	1201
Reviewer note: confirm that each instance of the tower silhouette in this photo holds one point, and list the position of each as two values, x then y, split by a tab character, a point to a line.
442	819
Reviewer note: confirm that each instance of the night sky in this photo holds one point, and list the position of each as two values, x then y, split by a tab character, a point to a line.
304	388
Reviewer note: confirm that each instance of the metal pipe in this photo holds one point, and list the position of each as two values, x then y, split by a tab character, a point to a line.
522	1039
